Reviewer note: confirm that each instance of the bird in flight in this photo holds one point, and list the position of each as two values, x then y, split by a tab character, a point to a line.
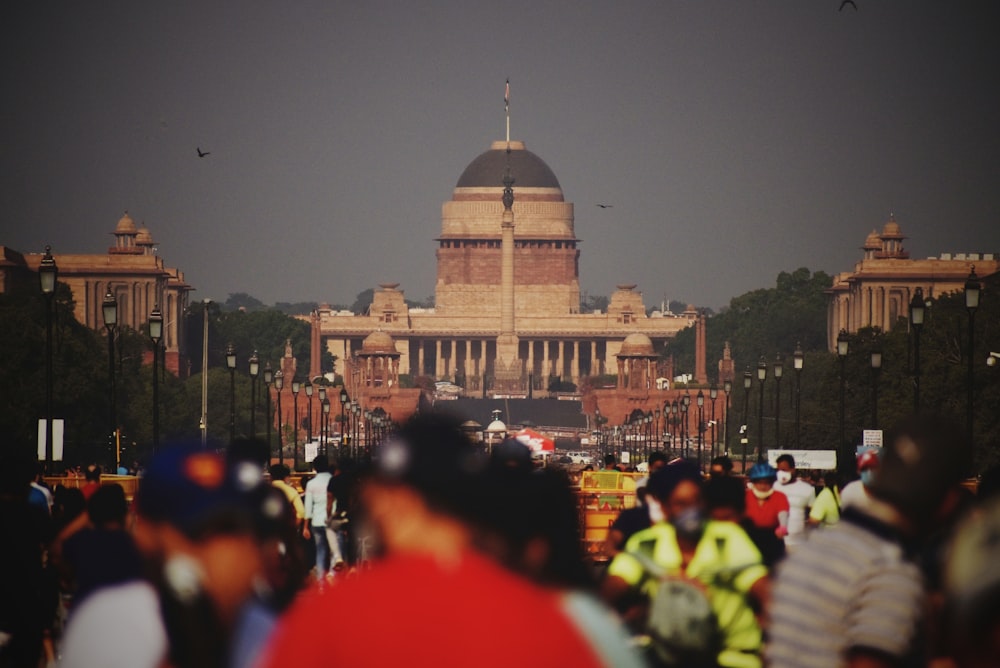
202	154
604	206
847	2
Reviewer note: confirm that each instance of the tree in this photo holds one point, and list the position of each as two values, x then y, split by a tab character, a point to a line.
363	301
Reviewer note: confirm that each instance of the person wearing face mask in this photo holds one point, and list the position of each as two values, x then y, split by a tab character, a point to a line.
801	496
716	556
767	513
855	493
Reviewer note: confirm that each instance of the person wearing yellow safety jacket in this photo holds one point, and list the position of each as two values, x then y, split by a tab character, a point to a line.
691	554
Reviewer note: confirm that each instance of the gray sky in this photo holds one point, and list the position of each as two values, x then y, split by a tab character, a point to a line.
734	139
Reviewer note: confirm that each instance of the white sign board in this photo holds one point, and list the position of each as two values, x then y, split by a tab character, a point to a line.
57	440
871	438
821	460
626	456
312	449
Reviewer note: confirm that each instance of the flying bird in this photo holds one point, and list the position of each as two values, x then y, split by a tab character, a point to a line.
202	154
847	2
604	206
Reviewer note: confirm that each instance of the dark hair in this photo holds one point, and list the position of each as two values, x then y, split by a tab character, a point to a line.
725	462
725	492
279	472
609	459
787	459
657	456
93	473
321	465
107	505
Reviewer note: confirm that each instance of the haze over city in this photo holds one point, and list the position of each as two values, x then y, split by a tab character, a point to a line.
732	140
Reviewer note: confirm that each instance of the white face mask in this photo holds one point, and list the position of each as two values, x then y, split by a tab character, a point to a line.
762	493
784	477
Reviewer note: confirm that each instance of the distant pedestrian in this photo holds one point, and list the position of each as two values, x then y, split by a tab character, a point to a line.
315	503
767	513
855	493
801	496
826	510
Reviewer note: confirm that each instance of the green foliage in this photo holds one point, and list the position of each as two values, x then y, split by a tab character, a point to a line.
762	322
363	301
590	303
242	301
298	308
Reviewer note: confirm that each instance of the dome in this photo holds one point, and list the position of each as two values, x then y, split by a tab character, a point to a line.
637	345
144	238
126	225
892	229
378	343
872	241
528	170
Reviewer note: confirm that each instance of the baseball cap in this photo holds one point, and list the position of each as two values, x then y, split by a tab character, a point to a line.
196	491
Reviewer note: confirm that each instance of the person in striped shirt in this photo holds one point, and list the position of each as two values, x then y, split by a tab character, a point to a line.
853	594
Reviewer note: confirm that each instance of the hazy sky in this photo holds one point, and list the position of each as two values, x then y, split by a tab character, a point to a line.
734	139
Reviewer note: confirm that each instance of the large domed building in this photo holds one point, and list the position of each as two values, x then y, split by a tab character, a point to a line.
507	314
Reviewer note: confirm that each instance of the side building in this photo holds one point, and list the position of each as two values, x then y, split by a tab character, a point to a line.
879	290
131	271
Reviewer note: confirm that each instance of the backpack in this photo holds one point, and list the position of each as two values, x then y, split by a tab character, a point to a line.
681	623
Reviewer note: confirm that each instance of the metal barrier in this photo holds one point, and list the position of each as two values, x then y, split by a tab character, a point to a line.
129	483
602	495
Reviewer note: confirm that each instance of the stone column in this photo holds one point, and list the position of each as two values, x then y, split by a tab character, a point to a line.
531	357
466	368
420	357
438	366
546	363
561	362
453	362
575	368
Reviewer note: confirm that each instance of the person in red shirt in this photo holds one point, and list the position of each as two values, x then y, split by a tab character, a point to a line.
767	512
93	481
432	599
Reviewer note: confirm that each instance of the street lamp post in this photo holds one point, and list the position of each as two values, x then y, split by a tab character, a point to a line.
326	429
685	436
268	379
47	274
798	361
843	345
279	382
675	423
309	395
779	369
761	377
323	433
110	309
203	423
295	423
155	334
700	400
727	387
254	372
713	394
972	291
917	308
343	402
231	365
355	410
876	363
744	429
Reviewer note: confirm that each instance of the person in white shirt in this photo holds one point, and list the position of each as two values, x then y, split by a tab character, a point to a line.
801	495
315	513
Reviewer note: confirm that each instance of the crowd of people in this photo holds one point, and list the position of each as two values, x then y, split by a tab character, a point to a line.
439	554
